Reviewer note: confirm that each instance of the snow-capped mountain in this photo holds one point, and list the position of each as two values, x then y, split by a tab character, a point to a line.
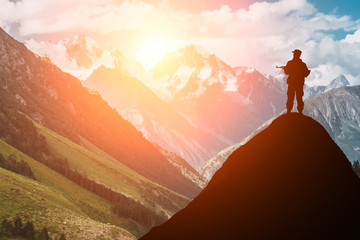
340	81
227	102
80	55
84	50
34	86
223	104
155	118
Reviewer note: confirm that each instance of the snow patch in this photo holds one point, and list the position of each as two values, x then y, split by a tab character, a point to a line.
250	70
184	73
205	72
231	84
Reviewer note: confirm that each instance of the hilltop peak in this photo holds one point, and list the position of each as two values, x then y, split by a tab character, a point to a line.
290	181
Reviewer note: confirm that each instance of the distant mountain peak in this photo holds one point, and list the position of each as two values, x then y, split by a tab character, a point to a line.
82	49
191	49
340	81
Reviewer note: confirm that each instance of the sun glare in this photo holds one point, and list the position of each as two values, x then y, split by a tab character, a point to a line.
151	53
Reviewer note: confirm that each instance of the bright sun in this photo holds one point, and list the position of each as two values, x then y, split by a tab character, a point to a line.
151	53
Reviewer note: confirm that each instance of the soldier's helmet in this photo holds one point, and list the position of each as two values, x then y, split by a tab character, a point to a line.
297	53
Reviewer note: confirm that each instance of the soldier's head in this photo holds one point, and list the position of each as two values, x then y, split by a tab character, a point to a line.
297	53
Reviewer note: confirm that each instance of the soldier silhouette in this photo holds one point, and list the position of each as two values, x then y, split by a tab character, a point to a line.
297	71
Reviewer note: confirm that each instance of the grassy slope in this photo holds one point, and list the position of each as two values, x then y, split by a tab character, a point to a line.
55	202
104	169
79	208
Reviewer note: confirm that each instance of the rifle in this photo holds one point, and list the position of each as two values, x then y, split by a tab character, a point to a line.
282	67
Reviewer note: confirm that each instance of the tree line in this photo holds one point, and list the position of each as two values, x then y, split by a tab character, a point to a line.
20	132
124	206
20	167
27	231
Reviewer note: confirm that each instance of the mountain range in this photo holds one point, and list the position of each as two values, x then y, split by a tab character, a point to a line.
340	81
125	149
191	102
211	166
88	163
59	101
155	118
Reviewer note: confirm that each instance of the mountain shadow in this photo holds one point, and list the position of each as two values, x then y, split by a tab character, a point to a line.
291	181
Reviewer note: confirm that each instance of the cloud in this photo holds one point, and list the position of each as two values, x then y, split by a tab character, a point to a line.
352	38
49	16
264	36
261	36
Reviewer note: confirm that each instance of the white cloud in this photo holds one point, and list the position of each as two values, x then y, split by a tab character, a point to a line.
49	16
265	34
261	36
352	38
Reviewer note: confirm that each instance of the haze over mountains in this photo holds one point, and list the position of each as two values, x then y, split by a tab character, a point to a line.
191	102
136	173
155	118
96	163
193	89
59	101
227	102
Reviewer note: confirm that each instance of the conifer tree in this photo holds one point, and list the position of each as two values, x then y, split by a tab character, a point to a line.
44	234
62	237
29	231
7	228
18	227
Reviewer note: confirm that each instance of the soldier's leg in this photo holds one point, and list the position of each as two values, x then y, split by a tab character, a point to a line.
290	99
299	98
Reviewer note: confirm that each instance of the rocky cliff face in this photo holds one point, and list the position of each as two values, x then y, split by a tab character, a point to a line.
338	110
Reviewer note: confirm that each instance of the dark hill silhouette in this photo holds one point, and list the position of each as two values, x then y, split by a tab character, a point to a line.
291	181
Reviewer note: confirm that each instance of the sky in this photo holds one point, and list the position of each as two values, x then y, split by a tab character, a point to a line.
259	34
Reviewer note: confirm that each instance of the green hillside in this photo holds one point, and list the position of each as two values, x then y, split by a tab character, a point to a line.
102	168
55	202
89	176
70	203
